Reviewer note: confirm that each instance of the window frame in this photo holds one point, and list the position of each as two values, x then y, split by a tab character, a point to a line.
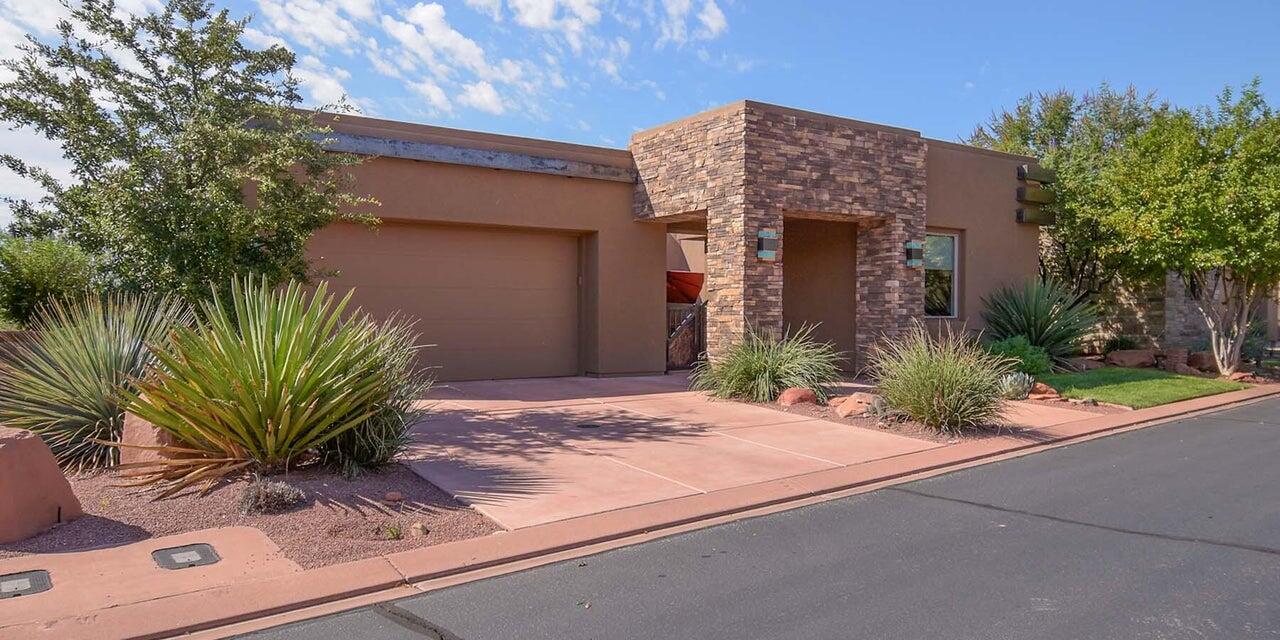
955	272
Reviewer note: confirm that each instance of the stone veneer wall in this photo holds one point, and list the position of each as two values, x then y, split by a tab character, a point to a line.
1159	314
750	165
692	168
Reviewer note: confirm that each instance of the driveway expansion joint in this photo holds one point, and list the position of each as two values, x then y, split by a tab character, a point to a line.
1169	537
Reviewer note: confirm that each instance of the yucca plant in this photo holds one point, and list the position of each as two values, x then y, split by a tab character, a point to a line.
1049	314
256	385
375	442
71	385
759	366
949	382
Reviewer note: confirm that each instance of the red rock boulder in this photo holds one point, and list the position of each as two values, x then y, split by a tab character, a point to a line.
797	395
1132	358
34	495
1203	360
854	405
140	432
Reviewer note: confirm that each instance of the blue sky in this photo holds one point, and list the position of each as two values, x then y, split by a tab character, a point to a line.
594	71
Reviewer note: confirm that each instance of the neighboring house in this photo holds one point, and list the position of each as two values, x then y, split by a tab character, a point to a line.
523	258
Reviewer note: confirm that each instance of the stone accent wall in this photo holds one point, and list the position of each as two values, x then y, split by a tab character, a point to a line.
748	166
1159	315
695	168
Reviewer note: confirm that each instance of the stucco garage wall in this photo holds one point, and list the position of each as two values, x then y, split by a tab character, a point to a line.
622	297
973	192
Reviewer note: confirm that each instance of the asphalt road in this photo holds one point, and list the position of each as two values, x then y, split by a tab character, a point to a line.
1166	532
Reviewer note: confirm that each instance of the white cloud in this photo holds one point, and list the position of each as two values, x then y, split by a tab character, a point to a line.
491	8
427	34
673	25
314	24
262	39
436	98
322	84
482	96
712	19
570	18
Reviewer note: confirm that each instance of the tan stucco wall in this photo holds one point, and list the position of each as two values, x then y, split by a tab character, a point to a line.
686	252
623	261
973	192
820	282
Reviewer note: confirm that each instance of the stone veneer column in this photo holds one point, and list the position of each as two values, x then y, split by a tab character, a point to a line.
742	290
890	294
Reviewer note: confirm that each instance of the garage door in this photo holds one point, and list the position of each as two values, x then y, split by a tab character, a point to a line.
497	303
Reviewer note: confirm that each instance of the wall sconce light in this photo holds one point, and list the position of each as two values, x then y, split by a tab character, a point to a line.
767	244
915	253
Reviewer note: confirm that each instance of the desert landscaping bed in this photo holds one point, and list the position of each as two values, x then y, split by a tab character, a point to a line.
341	520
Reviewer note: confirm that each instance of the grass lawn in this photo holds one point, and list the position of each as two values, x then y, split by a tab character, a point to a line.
1137	388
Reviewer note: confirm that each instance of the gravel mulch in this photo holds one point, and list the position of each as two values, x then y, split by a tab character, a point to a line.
341	520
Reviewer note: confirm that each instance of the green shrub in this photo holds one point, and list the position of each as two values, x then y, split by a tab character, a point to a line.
1120	343
1031	360
1047	313
380	438
258	385
70	385
949	383
36	271
760	366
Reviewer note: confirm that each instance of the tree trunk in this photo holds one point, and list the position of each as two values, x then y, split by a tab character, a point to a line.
1225	301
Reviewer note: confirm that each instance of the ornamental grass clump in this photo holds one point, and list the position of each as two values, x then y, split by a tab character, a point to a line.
70	385
950	383
1047	313
760	365
261	384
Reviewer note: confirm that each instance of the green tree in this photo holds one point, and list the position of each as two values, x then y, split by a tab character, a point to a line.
1074	136
36	271
192	163
1198	193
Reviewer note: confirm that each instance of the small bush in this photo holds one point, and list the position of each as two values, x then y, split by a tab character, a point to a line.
1016	386
1120	343
1047	313
269	496
760	366
949	383
34	272
1031	360
258	385
380	438
72	384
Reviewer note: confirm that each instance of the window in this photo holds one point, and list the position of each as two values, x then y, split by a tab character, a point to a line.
940	275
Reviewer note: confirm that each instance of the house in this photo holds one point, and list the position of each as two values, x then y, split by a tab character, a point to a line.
525	258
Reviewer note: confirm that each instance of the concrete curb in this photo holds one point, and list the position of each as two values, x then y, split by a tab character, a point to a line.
393	576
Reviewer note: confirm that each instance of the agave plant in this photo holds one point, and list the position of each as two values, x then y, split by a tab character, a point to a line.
71	385
760	366
1049	314
1016	385
256	385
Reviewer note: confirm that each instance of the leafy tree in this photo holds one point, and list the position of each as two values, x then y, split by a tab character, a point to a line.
1074	136
1198	193
191	162
36	271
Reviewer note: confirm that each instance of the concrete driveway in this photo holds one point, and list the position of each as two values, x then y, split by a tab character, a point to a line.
528	452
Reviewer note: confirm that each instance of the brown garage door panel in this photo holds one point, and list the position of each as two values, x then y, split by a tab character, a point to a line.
496	303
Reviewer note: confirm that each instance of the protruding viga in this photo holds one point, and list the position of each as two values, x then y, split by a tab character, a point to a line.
34	495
